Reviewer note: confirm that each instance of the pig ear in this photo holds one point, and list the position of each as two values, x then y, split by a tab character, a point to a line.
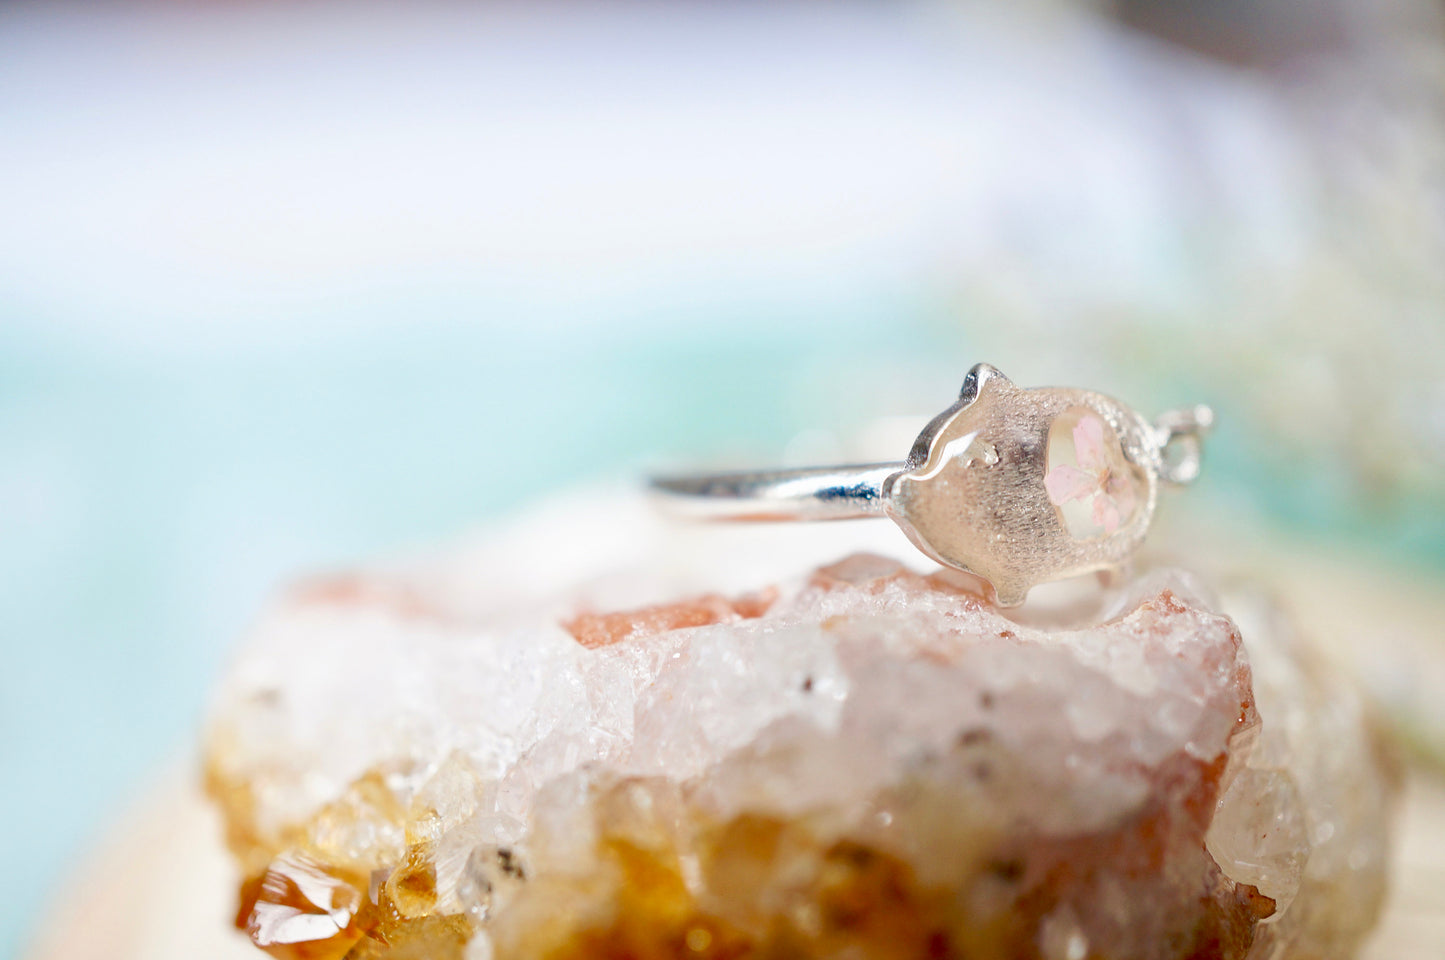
973	383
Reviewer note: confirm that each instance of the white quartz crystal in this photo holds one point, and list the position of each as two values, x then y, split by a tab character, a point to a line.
1065	744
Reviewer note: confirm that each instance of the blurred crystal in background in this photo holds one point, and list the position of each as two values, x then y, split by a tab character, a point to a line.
285	284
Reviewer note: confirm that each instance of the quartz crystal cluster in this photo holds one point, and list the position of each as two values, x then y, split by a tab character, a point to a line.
860	761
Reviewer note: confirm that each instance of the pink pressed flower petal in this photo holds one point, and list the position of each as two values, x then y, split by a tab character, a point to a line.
1065	482
1111	519
1106	514
1089	443
1121	489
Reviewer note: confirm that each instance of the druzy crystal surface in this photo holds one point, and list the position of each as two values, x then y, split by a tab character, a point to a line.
856	761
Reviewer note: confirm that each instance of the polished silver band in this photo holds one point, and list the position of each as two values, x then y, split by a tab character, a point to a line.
809	493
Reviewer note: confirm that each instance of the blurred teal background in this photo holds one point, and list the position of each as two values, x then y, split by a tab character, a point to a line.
286	286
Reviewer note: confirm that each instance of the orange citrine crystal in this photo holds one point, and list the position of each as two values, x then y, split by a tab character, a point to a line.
302	909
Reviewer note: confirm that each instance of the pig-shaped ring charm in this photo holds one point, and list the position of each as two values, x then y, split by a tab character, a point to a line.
1019	486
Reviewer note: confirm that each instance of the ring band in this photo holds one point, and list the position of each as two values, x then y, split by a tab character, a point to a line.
1019	486
806	493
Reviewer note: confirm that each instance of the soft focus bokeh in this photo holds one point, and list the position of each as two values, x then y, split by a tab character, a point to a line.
283	285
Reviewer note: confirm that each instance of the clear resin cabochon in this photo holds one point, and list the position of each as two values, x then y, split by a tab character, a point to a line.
1023	486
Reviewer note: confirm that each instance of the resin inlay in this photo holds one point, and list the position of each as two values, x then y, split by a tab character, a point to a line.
1089	480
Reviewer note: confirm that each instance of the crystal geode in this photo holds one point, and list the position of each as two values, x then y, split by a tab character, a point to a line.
861	761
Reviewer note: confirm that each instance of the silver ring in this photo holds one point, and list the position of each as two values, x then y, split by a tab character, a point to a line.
1019	486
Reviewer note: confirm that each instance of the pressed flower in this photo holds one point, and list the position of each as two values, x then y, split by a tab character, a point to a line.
1110	492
